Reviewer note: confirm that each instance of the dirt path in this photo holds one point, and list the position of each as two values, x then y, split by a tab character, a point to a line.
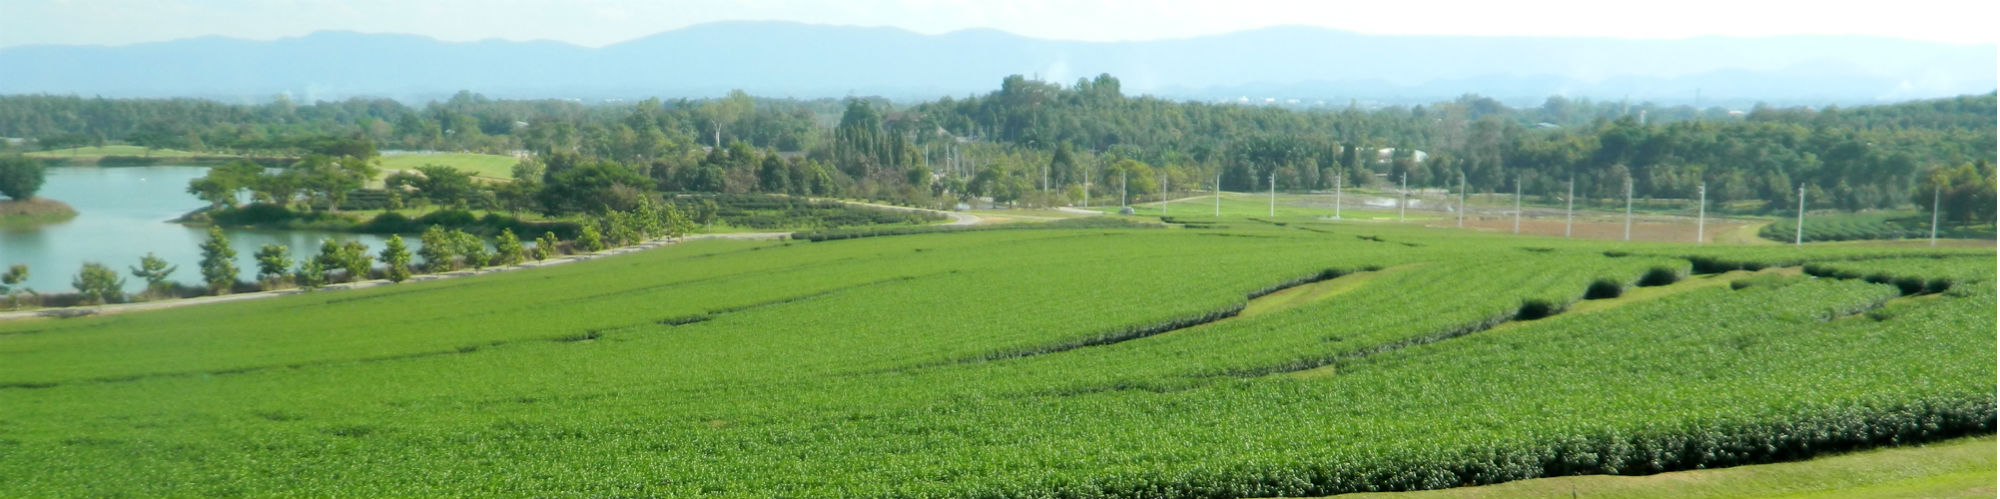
1717	231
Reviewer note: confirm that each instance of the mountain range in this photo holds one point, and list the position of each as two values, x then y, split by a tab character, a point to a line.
780	59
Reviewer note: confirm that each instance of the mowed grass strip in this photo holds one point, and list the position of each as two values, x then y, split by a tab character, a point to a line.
1962	468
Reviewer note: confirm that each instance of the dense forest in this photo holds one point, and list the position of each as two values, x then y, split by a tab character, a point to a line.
1030	137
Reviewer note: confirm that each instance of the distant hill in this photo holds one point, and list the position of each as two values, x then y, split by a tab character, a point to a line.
806	61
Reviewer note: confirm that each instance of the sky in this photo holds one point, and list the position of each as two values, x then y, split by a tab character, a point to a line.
595	23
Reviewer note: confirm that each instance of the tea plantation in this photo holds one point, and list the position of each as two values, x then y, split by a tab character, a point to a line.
1236	359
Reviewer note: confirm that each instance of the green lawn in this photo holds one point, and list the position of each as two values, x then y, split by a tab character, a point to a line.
1962	468
1043	361
491	166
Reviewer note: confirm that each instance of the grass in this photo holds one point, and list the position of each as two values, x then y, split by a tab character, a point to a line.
1962	468
1078	361
119	150
488	166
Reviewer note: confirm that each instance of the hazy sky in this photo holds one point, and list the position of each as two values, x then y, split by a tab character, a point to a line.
602	22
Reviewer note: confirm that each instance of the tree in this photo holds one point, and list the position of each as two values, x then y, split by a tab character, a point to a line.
706	213
20	176
518	196
1063	169
618	229
545	246
273	260
437	249
311	274
773	175
470	249
98	284
528	169
332	177
330	256
218	262
396	257
507	248
279	189
155	271
17	274
1968	192
441	185
589	187
220	185
354	260
589	240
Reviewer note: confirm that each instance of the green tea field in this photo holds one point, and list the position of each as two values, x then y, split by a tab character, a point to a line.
1224	358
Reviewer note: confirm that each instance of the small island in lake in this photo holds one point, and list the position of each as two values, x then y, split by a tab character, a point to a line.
20	177
34	212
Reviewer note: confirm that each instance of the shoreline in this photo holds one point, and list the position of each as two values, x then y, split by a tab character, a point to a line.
116	308
80	311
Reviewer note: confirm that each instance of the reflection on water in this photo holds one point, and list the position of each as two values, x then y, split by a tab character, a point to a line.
122	213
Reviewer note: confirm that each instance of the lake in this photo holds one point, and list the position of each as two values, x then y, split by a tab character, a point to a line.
122	213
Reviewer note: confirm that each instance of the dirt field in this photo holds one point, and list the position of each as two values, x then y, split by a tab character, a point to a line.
1718	231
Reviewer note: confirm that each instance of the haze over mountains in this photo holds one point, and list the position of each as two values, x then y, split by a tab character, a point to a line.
809	61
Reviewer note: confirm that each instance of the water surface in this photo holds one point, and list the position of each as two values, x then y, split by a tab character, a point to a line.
122	213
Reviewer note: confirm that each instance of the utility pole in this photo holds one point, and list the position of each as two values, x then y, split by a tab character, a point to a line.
1337	180
1461	200
1124	200
1628	208
1936	193
1701	216
1046	200
1086	185
1570	213
1218	195
1274	195
1404	206
1799	236
1517	205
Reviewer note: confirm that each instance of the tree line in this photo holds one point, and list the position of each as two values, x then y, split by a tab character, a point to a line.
442	250
1041	143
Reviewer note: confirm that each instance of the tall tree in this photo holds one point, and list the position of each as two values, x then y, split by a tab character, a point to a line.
218	262
396	257
273	262
98	284
154	270
20	176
